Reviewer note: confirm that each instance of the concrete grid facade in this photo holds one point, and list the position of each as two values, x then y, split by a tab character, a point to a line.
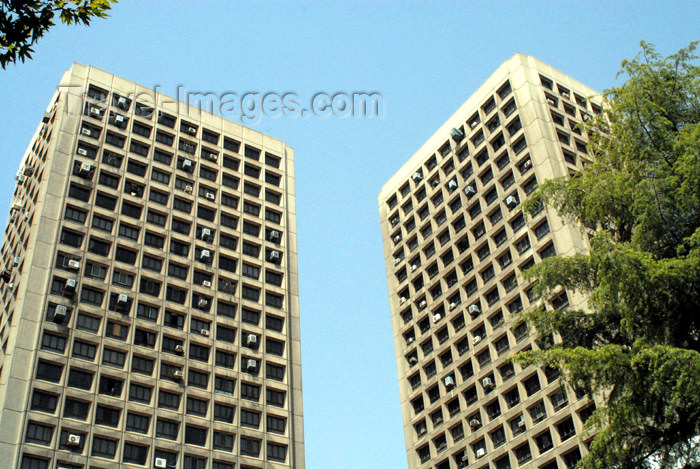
149	300
455	245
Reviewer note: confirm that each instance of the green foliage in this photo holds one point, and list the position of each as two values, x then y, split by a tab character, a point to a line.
637	346
23	22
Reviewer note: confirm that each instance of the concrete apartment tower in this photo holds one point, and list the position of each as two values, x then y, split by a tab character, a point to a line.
455	244
150	310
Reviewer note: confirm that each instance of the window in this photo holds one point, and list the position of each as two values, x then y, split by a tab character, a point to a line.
250	419
250	447
84	350
107	416
276	452
135	454
76	409
197	406
198	379
53	342
103	447
105	201
155	218
137	423
75	215
113	357
274	397
71	238
223	441
30	462
250	392
167	429
50	372
139	393
44	401
39	434
154	240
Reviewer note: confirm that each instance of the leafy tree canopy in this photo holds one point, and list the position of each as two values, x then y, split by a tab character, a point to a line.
636	346
23	22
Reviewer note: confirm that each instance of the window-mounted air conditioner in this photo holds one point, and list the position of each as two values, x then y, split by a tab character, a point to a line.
397	238
202	303
187	165
423	304
28	170
85	168
487	382
449	382
59	314
474	423
396	261
474	310
70	285
437	317
82	151
206	283
188	189
251	364
179	349
413	360
206	234
521	422
410	340
456	134
178	374
274	235
122	299
204	332
453	305
95	111
16	207
476	339
527	164
15	261
122	103
402	300
511	201
274	255
73	439
191	130
480	453
161	463
73	264
251	340
394	221
118	120
210	196
470	190
205	255
20	177
417	176
414	267
86	132
452	185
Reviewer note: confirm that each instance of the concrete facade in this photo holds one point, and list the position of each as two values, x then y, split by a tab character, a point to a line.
455	244
150	313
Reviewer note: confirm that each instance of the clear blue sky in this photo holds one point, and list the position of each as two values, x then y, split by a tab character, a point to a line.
425	58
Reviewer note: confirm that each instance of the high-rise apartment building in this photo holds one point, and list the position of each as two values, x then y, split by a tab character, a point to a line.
455	244
149	289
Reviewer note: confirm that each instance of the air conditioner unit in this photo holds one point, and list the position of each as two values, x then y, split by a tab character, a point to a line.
85	131
470	190
417	176
210	196
179	349
487	382
527	164
437	317
118	120
397	238
212	156
161	463
122	299
206	283
85	168
453	305
274	235
449	382
122	103
206	234
178	374
476	339
414	267
474	310
457	134
394	221
95	111
274	255
70	285
15	261
402	300
521	422
82	151
251	340
187	165
434	183
20	178
410	340
202	303
204	332
205	255
423	304
473	124
59	314
74	264
396	261
251	364
511	201
191	130
452	185
188	189
474	423
73	439
16	206
413	360
480	453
